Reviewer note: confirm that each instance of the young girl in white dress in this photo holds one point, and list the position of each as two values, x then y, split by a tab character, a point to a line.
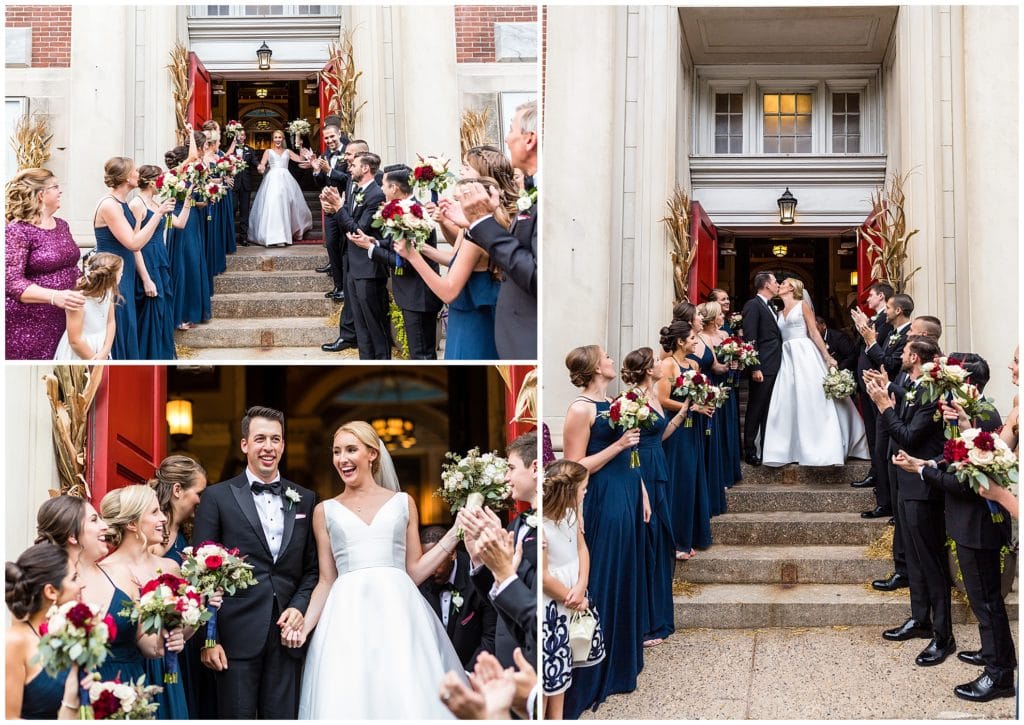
566	573
90	330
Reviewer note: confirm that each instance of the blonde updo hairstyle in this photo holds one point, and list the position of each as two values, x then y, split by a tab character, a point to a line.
116	171
708	311
636	366
366	435
123	507
582	363
798	288
23	192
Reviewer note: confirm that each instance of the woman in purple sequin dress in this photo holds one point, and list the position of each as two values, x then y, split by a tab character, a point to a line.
42	267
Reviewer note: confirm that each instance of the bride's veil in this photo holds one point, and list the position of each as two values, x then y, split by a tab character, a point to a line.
386	475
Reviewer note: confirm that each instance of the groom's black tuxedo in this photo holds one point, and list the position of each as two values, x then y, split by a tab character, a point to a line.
515	253
761	329
244	185
471	626
262	678
516	603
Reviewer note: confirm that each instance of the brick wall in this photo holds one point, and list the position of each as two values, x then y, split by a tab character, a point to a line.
474	28
51	32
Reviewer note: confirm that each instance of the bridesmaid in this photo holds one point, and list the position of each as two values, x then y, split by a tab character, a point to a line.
614	512
716	334
115	228
714	430
641	370
41	577
689	507
227	216
216	212
136	523
190	280
155	318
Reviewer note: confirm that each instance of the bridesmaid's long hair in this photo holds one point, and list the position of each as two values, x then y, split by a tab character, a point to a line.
490	162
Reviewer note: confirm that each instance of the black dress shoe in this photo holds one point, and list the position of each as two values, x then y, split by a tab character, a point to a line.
896	581
984	689
876	513
908	630
936	652
891	522
326	269
338	345
753	459
334	294
244	243
866	482
971	657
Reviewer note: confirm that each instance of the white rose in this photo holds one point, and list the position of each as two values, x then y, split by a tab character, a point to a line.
969	435
979	457
643	413
490	470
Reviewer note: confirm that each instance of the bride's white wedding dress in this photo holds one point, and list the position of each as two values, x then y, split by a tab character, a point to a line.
803	425
279	212
378	650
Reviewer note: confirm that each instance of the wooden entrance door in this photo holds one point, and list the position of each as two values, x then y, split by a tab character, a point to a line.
704	272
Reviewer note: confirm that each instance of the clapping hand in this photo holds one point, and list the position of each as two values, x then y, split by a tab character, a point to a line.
331	200
879	395
453	212
465	703
361	239
497	685
496	549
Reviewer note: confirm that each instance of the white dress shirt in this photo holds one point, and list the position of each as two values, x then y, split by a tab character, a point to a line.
271	511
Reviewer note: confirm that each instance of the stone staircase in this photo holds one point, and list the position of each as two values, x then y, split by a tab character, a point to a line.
791	552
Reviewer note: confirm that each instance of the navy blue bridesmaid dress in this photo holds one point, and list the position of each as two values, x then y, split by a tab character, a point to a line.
614	531
41	698
189	277
714	436
659	546
471	315
155	314
688	496
173	705
125	660
126	335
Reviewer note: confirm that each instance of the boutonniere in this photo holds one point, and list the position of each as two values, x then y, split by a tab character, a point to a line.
894	338
910	396
527	198
532	521
293	497
359	199
456	600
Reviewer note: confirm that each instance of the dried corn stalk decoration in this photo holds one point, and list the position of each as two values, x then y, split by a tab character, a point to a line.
341	78
182	88
71	390
885	234
684	249
474	128
31	141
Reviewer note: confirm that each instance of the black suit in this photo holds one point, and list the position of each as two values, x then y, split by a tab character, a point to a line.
244	184
887	482
418	303
262	678
761	329
886	354
366	286
920	510
515	253
841	348
867	407
471	626
516	604
339	178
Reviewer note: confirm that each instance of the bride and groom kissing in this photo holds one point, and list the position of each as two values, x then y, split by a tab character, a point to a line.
787	410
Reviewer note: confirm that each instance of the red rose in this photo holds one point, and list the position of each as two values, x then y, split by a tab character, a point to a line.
680	381
614	414
984	441
111	627
181	605
105	705
935	373
160	182
424	173
631	395
149	586
43	628
391	210
213	562
80	614
955	451
416	210
698	379
954	361
214	189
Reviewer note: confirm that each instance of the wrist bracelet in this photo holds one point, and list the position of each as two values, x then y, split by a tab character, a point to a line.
73	708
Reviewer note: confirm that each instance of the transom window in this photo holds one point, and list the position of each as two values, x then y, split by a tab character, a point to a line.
846	123
729	123
787	123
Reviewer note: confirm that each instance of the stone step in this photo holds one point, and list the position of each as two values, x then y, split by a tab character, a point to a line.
738	564
837	497
768	528
747	606
250	354
227	332
277	259
266	282
793	474
249	305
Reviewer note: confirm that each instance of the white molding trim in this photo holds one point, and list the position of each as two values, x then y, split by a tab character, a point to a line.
791	170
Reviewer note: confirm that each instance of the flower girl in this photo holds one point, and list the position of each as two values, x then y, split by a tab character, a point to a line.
566	571
90	330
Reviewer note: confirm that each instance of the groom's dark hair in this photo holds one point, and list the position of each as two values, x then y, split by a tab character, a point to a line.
761	280
399	174
525	446
258	411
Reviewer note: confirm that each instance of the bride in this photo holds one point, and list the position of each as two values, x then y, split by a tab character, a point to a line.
803	425
378	649
279	212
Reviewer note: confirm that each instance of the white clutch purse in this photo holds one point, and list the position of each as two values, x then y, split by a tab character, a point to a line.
581	634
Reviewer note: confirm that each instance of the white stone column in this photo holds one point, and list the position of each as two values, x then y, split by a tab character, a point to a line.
372	40
153	117
582	163
30	468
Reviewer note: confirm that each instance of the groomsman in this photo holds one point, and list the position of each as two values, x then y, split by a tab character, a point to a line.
761	329
418	303
468	618
257	668
244	185
838	344
513	251
912	429
331	169
878	294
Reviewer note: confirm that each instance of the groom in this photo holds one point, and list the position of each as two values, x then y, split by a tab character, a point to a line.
761	329
270	520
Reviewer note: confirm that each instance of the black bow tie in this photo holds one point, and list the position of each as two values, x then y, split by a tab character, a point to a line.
274	488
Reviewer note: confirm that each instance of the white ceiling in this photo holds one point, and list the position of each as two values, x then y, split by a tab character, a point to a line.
787	35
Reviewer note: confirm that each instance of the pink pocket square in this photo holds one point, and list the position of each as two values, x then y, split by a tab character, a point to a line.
468	617
300	516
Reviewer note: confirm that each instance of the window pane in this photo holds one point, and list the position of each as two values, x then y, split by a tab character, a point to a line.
838	102
736	102
787	103
736	125
803	144
771	125
852	102
853	144
786	145
771	145
854	124
721	144
838	144
736	145
771	103
803	125
721	102
803	103
721	124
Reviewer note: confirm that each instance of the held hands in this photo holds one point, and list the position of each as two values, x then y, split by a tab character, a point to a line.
577	598
290	622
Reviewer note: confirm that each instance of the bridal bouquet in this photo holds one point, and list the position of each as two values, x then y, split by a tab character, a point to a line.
212	191
116	700
229	166
211	566
432	174
838	384
299	127
232	128
693	386
980	459
628	411
748	356
474	480
404	219
167	602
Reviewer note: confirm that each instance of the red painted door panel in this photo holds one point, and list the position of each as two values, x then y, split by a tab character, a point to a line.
704	272
864	279
199	108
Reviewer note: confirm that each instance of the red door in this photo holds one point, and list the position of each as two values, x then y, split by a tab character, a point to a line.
867	231
128	432
704	272
199	107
